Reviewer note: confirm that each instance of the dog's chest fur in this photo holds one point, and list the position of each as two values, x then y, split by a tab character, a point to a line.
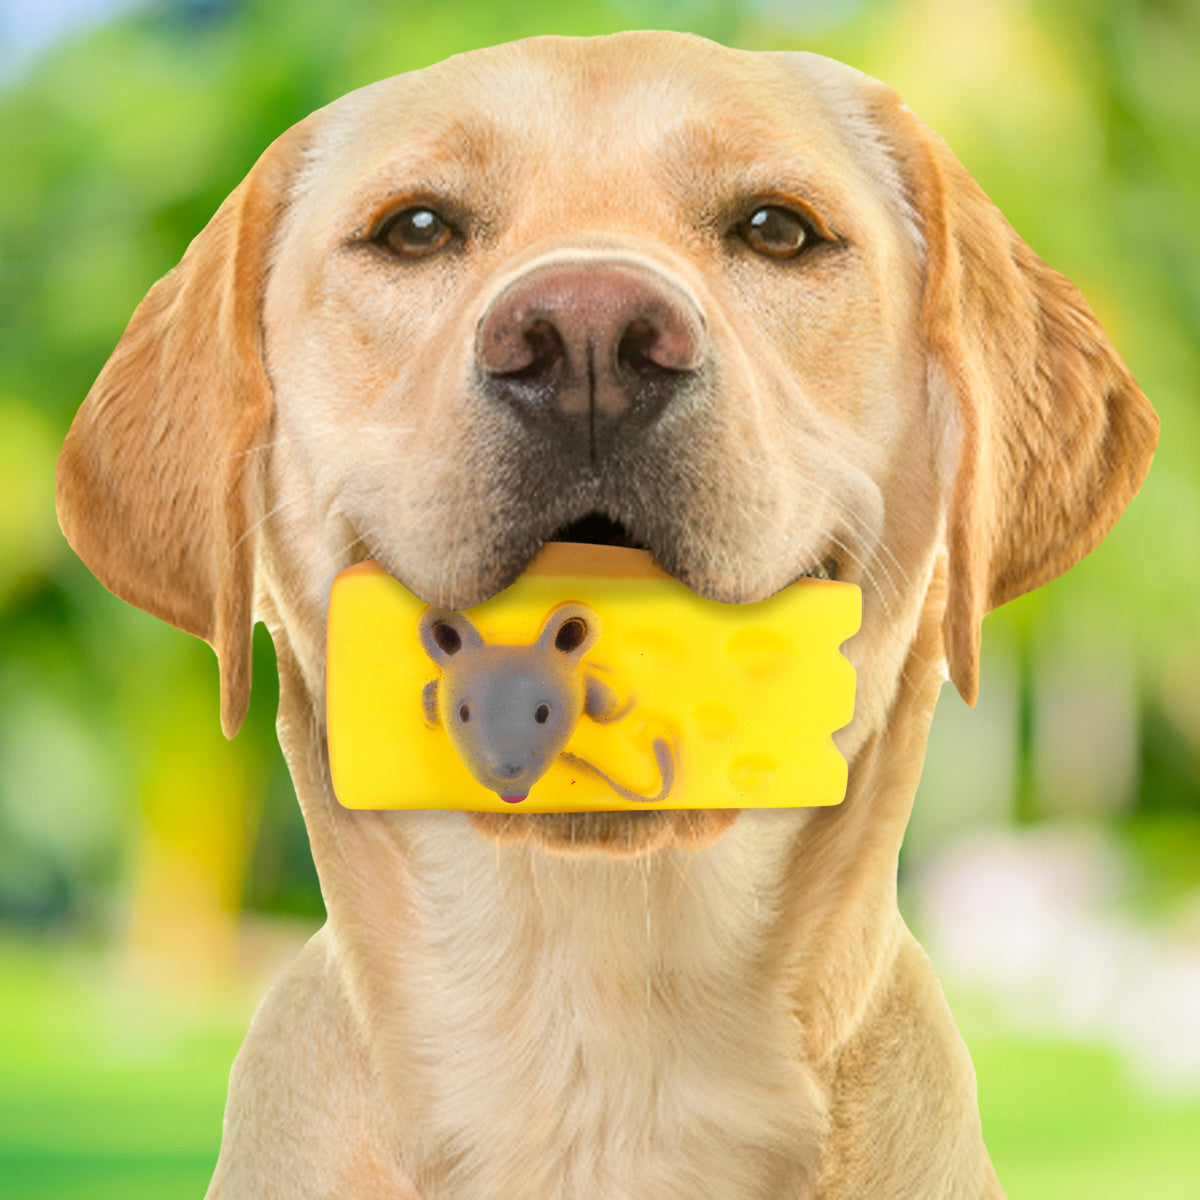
602	1027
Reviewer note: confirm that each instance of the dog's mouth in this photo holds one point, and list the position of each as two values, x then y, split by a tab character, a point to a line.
620	832
598	529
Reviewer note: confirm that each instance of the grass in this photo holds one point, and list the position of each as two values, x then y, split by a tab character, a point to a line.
1064	1121
109	1090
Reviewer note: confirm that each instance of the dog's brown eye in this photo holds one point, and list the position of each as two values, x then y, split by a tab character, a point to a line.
414	232
542	714
464	714
776	232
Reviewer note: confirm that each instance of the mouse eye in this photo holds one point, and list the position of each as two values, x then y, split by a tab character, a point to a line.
464	714
414	232
542	714
777	232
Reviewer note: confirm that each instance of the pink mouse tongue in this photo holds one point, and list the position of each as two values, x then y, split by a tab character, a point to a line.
512	799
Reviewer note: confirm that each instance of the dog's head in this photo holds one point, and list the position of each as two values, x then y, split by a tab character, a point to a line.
743	310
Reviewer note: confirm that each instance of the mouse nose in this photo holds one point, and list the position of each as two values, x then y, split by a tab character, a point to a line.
597	339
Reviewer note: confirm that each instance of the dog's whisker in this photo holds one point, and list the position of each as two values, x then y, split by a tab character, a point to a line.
685	883
891	622
846	515
647	907
291	502
870	570
534	874
342	555
259	448
877	573
317	440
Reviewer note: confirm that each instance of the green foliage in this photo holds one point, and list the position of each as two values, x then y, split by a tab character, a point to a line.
1082	120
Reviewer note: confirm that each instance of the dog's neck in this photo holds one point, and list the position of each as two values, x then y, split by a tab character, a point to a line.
521	1005
557	999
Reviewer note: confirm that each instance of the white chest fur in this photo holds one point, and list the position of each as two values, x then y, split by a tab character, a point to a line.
600	1027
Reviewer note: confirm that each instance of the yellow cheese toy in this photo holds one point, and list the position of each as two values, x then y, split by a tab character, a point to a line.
594	682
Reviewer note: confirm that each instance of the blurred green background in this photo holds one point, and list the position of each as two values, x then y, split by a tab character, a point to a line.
154	878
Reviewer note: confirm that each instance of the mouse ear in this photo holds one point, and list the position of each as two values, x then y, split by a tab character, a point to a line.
570	629
445	634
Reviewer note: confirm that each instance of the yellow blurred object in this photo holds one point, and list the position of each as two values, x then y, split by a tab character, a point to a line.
196	815
594	682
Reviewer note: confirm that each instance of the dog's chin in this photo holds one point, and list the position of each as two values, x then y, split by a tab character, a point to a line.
622	834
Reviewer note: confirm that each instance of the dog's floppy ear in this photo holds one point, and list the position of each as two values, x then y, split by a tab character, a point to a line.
158	479
1055	435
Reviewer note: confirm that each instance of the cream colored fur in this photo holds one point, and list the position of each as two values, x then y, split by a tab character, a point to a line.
672	1005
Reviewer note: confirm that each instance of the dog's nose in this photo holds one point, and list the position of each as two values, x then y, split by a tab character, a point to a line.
606	338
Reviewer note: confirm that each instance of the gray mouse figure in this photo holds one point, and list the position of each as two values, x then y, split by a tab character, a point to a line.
510	710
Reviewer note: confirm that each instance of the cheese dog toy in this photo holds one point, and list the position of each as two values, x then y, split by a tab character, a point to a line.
596	681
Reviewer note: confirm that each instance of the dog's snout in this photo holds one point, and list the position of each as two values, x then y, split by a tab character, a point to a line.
608	339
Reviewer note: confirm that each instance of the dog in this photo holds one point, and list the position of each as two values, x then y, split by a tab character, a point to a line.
743	310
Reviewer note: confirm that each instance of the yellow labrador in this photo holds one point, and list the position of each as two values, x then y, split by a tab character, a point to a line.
744	310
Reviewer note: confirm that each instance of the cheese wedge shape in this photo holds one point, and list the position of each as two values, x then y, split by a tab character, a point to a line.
595	682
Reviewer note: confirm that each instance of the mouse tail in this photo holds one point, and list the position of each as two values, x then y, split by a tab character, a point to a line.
664	755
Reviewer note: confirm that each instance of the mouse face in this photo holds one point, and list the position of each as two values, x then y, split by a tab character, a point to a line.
510	710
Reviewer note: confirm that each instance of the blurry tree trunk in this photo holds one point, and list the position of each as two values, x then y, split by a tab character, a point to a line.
1026	808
